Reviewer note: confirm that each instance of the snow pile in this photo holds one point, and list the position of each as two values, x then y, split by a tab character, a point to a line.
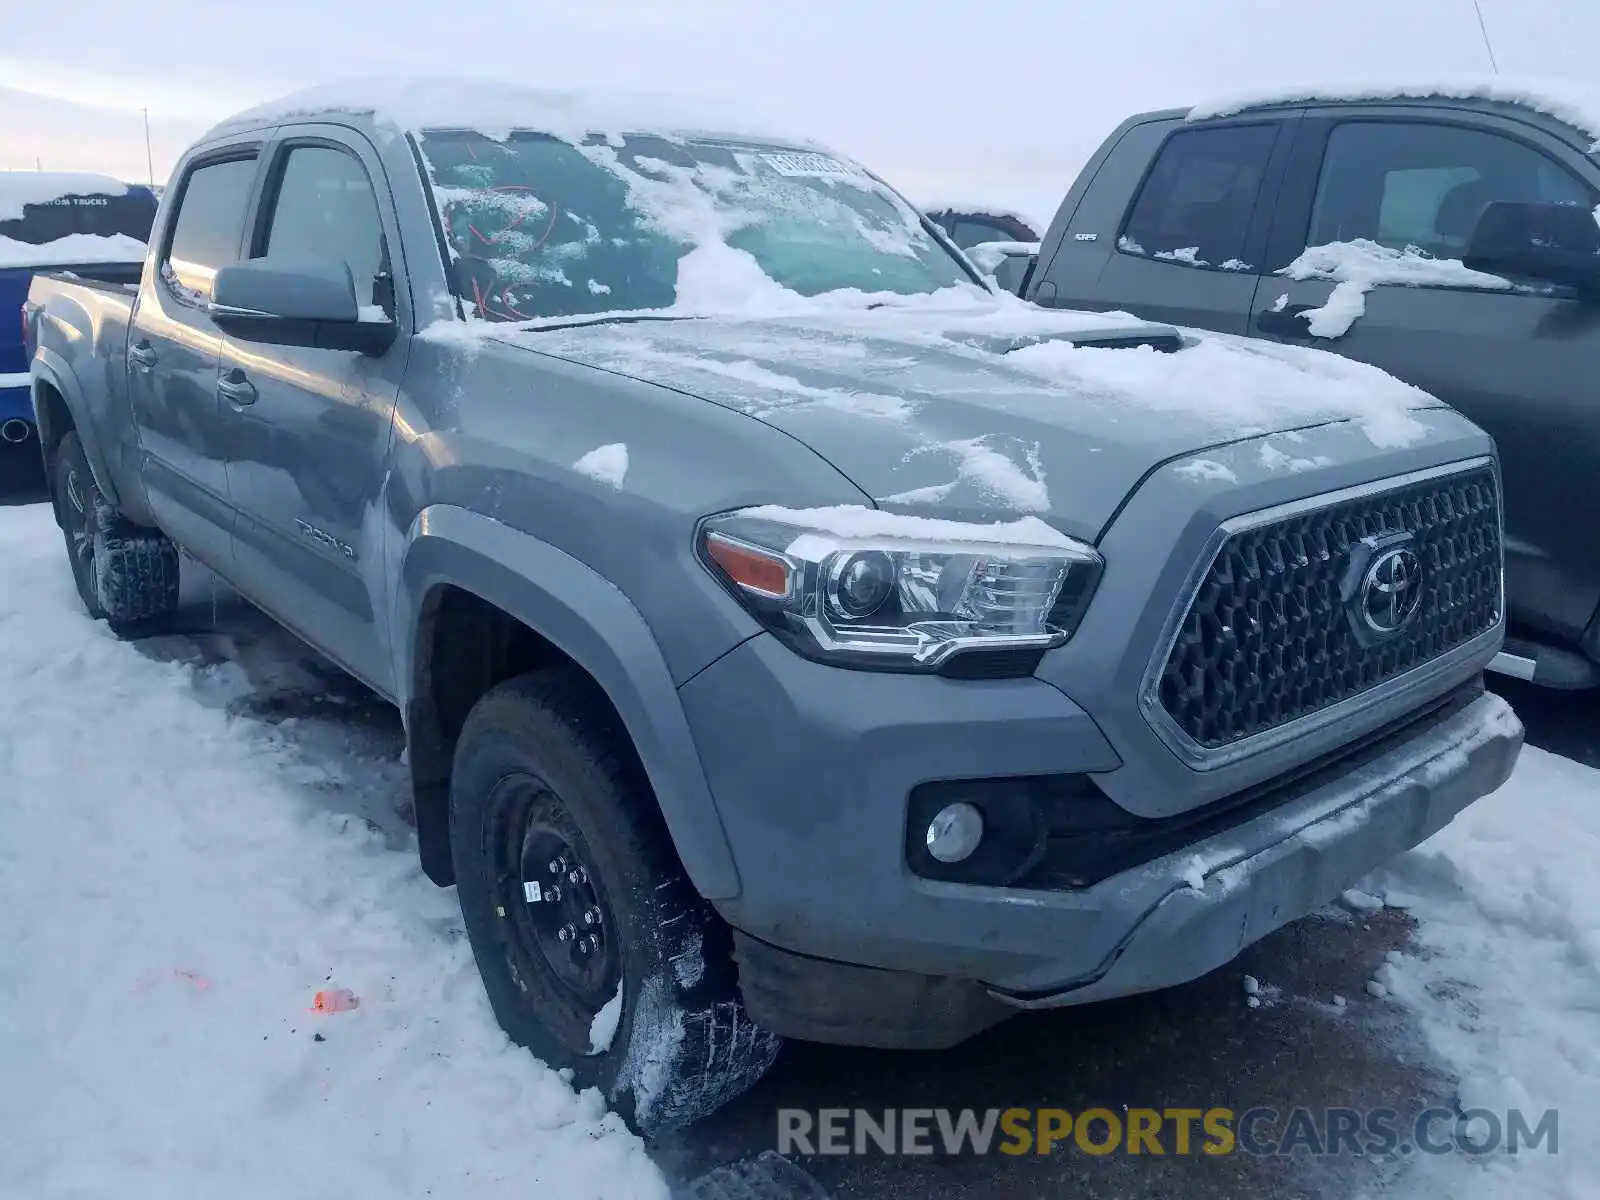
1507	984
1359	266
1015	480
174	897
603	1029
1206	470
402	104
1039	220
606	464
1248	386
18	189
1573	101
855	521
74	250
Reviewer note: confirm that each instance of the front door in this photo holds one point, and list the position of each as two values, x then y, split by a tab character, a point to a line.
1394	204
173	349
311	428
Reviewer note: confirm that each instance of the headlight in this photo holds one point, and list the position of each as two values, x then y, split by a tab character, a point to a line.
859	587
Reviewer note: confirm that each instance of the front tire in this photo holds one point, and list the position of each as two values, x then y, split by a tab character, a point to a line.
125	574
547	797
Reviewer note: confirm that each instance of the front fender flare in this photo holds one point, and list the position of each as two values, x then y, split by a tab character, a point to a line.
595	625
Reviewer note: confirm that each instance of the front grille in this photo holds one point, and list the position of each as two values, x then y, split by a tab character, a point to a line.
1270	636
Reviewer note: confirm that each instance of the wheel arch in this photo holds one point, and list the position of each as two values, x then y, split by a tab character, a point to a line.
478	602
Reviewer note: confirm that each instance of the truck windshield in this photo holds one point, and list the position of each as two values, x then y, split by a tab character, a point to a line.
543	228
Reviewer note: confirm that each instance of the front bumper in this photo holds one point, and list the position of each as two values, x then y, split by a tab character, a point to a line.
811	768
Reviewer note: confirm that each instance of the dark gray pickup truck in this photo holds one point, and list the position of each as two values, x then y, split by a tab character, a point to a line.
1449	240
794	637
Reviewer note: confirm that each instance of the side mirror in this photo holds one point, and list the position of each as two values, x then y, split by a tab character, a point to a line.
1009	263
1013	272
296	302
1553	243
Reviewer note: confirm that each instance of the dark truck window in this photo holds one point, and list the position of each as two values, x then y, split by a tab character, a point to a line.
1423	185
209	224
968	232
129	215
1195	205
326	208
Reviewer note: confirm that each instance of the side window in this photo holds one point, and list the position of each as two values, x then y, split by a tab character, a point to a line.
210	220
1196	203
1418	185
967	233
326	208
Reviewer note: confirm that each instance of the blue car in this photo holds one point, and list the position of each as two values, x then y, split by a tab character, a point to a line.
91	225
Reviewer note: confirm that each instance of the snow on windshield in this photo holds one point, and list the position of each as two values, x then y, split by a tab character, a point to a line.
541	227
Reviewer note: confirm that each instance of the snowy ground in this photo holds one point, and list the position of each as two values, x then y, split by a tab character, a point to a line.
199	833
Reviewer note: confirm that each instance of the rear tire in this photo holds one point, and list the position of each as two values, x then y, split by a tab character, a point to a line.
125	574
546	794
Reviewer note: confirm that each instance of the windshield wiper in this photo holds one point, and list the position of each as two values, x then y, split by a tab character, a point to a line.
612	319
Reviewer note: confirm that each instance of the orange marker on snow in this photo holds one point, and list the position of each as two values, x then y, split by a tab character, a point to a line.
335	1000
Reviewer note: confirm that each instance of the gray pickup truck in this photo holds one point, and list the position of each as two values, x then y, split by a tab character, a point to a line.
1447	239
794	637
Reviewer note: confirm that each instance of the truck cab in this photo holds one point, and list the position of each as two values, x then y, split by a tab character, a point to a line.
1447	240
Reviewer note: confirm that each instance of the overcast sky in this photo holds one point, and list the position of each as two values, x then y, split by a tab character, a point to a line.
1003	98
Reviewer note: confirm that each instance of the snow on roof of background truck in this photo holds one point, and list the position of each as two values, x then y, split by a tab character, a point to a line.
496	108
21	188
1570	101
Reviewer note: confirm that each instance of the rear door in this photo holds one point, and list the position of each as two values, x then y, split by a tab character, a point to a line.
173	350
1395	191
1174	226
310	428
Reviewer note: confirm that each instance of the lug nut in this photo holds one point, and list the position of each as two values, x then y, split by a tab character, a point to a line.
564	934
553	893
583	945
594	942
555	866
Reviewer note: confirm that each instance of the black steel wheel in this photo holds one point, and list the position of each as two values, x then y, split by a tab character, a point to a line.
576	905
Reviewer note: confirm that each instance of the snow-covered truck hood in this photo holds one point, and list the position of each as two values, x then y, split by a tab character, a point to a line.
980	411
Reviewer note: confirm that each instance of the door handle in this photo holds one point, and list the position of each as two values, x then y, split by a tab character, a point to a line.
142	355
1290	322
237	389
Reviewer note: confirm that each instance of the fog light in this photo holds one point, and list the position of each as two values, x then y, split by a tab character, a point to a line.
954	832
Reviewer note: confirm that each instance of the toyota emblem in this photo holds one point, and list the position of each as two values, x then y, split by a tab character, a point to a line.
1391	592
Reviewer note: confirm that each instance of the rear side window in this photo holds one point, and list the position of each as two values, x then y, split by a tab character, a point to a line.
1196	203
326	209
210	220
1423	185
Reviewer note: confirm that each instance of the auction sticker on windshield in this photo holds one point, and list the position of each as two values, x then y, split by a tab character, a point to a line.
805	165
